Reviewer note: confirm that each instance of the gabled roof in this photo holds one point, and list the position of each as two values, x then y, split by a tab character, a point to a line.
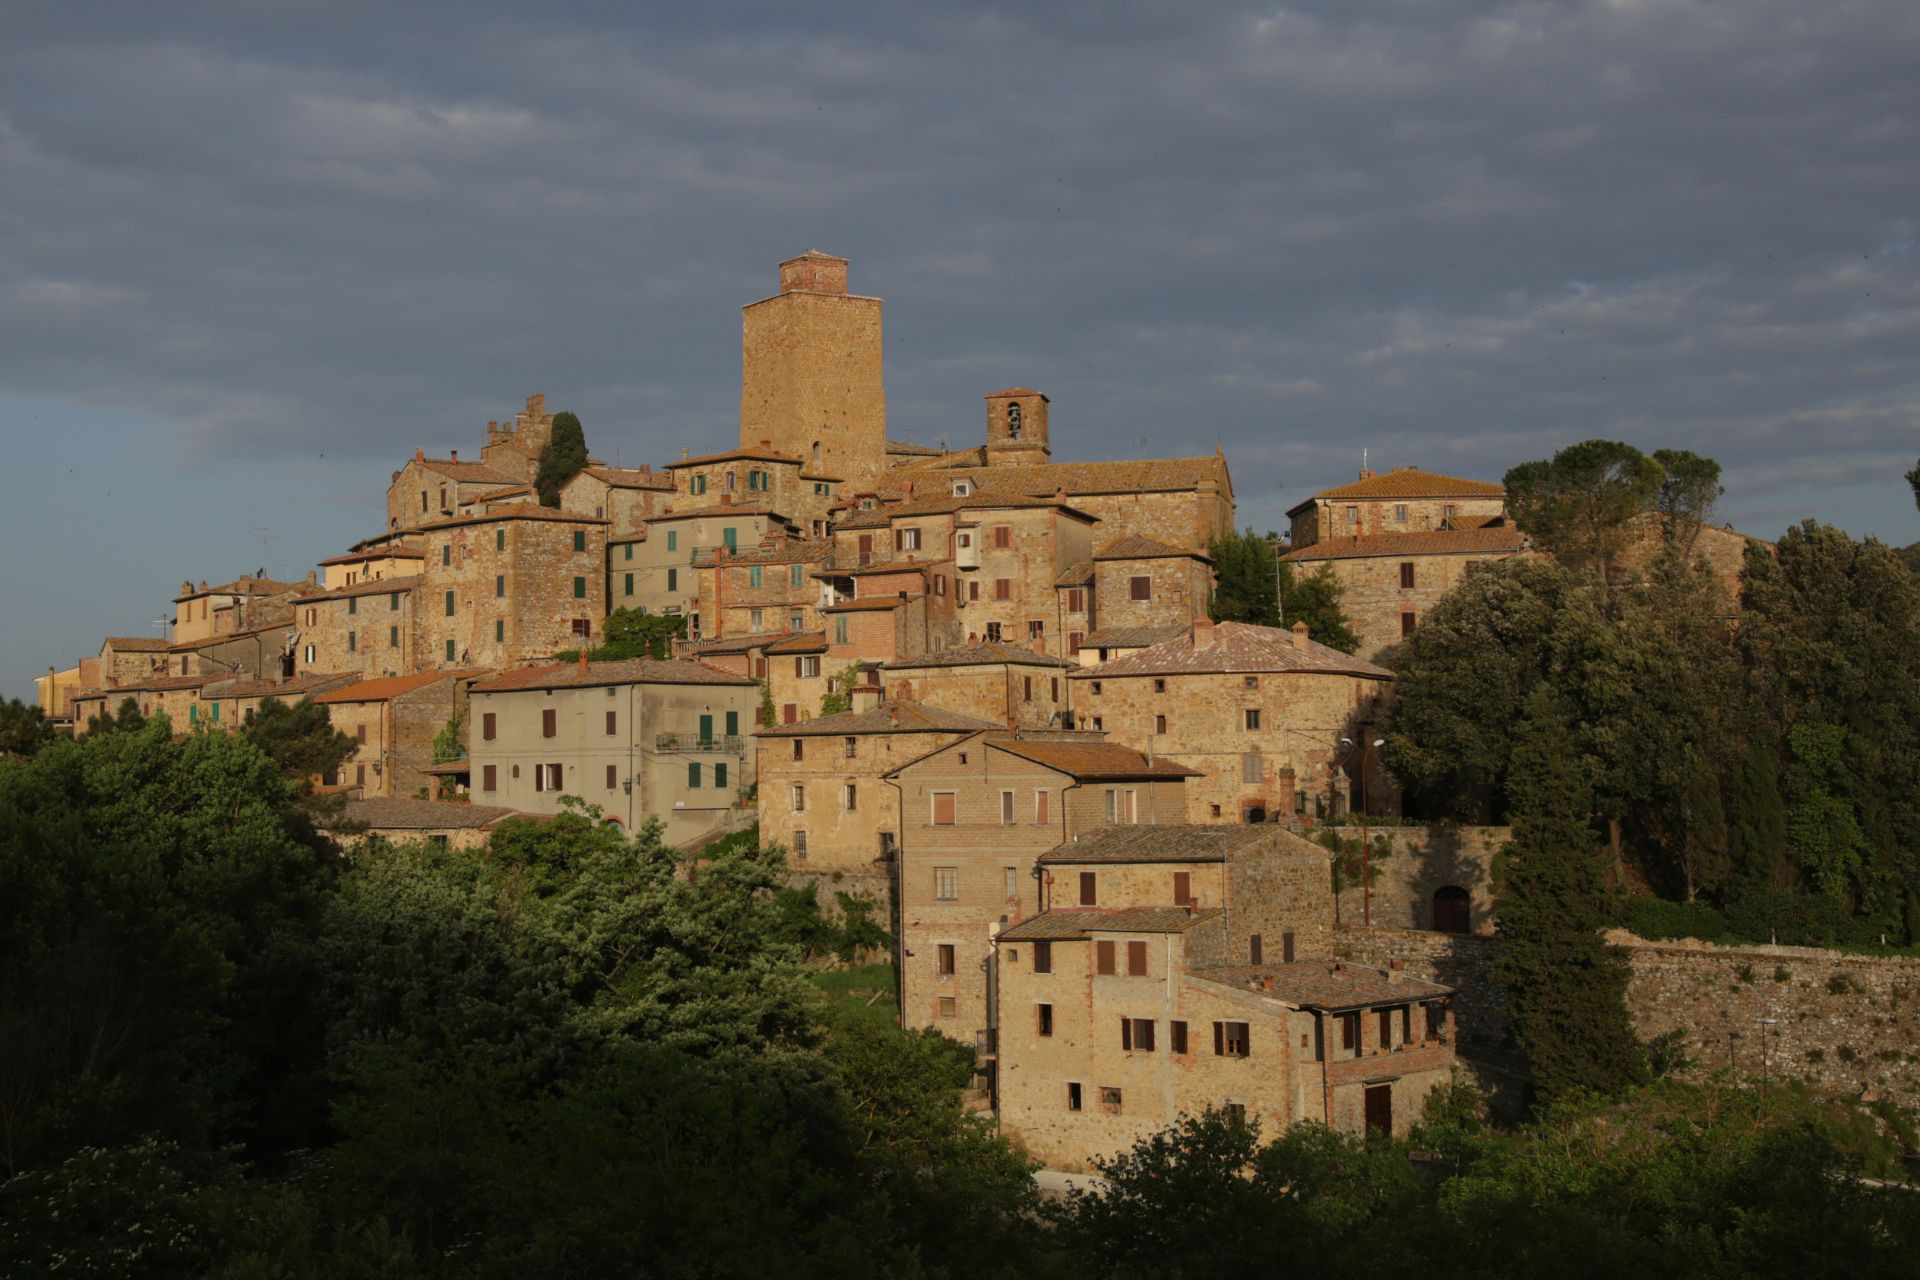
370	587
388	687
136	644
888	717
933	504
746	643
518	511
495	495
1323	984
626	478
152	684
388	813
1077	574
914	450
788	551
1066	924
247	587
1094	760
291	688
466	472
1135	547
1237	647
1406	482
570	675
737	455
1146	843
990	653
1483	541
720	509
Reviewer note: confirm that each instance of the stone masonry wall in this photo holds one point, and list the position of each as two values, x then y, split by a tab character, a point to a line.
1378	609
1424	859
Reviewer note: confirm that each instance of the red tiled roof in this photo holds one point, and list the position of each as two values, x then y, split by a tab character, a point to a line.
518	511
386	687
805	642
1135	547
1151	843
401	552
1141	637
494	495
568	675
888	717
732	455
987	653
1236	647
1323	984
1407	482
1498	541
1077	574
1144	475
1065	924
875	605
721	509
399	813
293	687
370	587
1094	759
930	504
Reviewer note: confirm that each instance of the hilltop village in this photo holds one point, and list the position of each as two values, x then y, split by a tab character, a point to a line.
982	681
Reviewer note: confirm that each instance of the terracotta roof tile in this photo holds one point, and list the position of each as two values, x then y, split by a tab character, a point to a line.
495	495
1077	574
155	684
888	717
1094	759
1324	984
401	552
930	504
732	455
915	450
466	472
1411	482
721	509
371	587
518	511
386	687
568	675
1068	923
1143	843
1236	647
1436	542
804	642
878	604
730	644
790	551
988	653
245	587
1143	637
1135	547
137	644
629	478
388	813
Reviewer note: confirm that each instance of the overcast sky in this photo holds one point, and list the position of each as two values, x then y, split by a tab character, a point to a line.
252	254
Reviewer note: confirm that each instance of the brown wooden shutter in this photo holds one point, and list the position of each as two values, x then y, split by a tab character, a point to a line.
549	722
1103	957
1254	949
1043	957
1219	1040
613	773
1136	959
943	809
487	777
486	727
1177	1037
1286	946
1087	890
1126	1034
610	723
1182	888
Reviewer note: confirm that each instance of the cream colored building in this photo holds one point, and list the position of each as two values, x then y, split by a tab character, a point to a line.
638	739
393	721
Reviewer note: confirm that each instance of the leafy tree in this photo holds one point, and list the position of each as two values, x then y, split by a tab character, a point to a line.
1913	482
632	633
23	728
300	740
124	720
1689	488
1314	598
1582	503
841	699
1566	988
1248	572
563	458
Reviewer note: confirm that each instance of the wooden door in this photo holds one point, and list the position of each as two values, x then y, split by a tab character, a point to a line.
1452	910
1380	1108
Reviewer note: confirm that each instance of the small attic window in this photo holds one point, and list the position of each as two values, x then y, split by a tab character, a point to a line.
962	488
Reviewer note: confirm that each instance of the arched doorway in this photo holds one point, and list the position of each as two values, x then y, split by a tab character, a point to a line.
1452	909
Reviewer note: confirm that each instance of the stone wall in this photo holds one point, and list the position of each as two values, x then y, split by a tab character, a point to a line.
1379	610
1178	591
1424	859
1340	517
811	380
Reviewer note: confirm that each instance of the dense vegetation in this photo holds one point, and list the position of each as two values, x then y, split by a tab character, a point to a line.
563	458
1758	761
1253	586
632	633
226	1052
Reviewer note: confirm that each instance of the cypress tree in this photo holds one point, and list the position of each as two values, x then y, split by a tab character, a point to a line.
562	459
1566	988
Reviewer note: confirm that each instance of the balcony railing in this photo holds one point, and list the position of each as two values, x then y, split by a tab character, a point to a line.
692	742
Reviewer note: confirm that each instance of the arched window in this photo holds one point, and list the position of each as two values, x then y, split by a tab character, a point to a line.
816	453
1452	909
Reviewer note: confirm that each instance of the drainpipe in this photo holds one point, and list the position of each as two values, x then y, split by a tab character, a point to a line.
896	917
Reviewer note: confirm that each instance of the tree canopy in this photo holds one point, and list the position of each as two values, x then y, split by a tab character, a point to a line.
562	459
1249	573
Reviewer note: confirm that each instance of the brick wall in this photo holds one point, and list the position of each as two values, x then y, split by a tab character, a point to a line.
1178	591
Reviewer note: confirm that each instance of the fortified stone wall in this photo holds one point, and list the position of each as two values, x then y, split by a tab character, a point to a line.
1424	860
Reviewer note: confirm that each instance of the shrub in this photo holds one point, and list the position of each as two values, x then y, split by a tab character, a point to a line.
1744	973
1846	1054
1816	1055
1840	984
1657	918
1780	974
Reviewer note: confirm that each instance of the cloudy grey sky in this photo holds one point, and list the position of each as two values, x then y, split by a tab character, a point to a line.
251	254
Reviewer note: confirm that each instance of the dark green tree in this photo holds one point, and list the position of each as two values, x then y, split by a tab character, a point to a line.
631	633
23	728
1566	988
1582	504
1314	598
1246	572
125	718
563	458
1689	488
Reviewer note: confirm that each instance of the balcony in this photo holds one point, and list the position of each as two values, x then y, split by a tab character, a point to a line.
692	743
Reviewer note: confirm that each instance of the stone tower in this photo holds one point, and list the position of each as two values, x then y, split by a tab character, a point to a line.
810	378
1017	426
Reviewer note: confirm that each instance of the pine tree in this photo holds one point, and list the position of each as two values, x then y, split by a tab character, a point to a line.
1566	988
562	459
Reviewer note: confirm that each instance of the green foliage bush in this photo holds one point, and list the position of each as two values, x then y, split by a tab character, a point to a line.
1657	919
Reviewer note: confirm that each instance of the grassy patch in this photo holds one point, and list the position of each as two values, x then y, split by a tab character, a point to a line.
863	993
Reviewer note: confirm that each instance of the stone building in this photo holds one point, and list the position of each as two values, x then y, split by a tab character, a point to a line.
1108	643
514	448
654	573
372	628
760	475
399	820
172	696
228	703
762	589
427	490
393	722
1139	582
248	601
639	739
516	585
1012	686
124	658
800	673
626	497
975	817
369	564
822	789
1404	500
1258	711
811	373
1390	580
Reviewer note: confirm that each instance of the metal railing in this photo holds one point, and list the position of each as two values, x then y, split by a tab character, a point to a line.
986	1042
690	742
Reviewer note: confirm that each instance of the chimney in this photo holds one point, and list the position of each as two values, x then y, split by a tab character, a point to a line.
419	455
1203	632
453	455
1299	635
866	697
1040	646
583	658
726	499
1266	982
1366	474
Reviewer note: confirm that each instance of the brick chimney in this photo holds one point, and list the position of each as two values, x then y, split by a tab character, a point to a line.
453	455
867	697
583	657
1299	635
1366	473
1203	632
814	272
419	455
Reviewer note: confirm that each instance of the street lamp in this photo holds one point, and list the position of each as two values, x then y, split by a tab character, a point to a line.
1366	844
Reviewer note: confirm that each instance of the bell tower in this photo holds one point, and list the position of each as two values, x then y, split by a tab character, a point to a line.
1017	426
810	373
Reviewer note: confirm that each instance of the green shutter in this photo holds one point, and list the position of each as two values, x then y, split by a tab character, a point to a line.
629	584
706	729
720	775
693	774
733	723
449	648
794	573
193	713
499	584
499	539
353	604
629	551
731	537
673	539
579	539
216	713
500	629
449	604
393	637
579	588
753	576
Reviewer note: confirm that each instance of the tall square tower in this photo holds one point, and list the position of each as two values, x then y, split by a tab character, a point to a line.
810	379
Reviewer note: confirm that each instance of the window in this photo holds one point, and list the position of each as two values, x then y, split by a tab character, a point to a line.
1003	535
579	588
1136	1035
1386	1028
613	776
489	778
1110	1099
1159	685
795	621
1043	957
487	726
906	539
1076	600
1042	807
612	720
628	583
1286	947
1447	511
754	576
1176	1037
1073	1096
393	600
943	960
1103	957
1036	629
673	539
1027	689
799	793
353	642
947	1006
673	579
449	648
628	549
1349	1032
500	629
807	666
1230	1039
1251	718
841	635
446	554
579	540
1074	639
1006	808
1182	888
973	590
756	620
549	722
850	748
693	775
1140	588
1013	883
1255	951
795	575
1003	588
1089	884
946	884
1408	620
449	604
943	808
720	774
353	604
359	730
393	637
800	845
850	797
1136	959
1353	515
546	777
1043	1019
1159	724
